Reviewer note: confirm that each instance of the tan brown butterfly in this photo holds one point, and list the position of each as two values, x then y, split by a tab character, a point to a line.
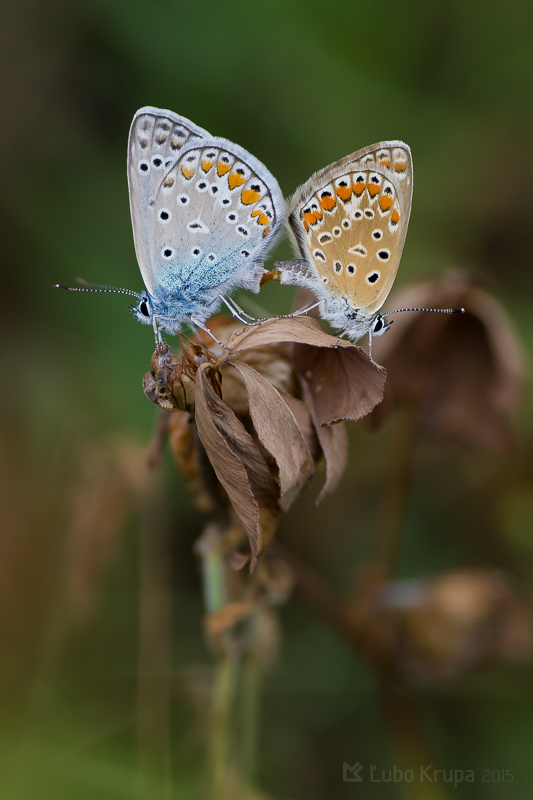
350	222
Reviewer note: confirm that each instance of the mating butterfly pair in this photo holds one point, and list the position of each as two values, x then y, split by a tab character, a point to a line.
205	212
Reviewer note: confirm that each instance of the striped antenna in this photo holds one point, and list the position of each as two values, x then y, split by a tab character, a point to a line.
434	310
96	287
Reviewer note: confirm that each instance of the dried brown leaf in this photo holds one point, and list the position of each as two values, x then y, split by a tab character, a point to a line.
344	382
334	443
237	560
279	433
305	423
463	374
220	622
238	464
301	330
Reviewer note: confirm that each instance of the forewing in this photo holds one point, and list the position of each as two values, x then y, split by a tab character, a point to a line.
156	139
350	221
216	211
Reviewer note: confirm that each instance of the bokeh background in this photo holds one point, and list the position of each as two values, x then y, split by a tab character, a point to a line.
82	581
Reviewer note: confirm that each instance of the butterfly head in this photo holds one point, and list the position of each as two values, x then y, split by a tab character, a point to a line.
142	310
380	325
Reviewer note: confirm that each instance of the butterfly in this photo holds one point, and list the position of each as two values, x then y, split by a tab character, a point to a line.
350	222
204	213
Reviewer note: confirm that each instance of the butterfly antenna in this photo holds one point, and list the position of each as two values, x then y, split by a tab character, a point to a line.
96	287
434	310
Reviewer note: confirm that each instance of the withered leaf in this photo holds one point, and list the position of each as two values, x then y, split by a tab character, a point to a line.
334	443
237	560
238	464
305	423
279	433
221	621
302	330
344	382
464	374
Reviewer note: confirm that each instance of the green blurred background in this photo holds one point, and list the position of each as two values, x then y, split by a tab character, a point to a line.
299	84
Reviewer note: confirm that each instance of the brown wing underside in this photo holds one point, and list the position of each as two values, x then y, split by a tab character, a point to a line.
351	219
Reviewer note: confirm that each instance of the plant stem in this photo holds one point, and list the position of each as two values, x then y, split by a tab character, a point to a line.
249	702
154	671
395	493
214	574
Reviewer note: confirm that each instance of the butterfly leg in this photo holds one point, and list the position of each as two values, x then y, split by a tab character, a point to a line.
370	346
304	310
198	324
237	312
157	330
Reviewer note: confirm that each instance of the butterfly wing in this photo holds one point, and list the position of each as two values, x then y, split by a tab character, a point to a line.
156	140
215	212
350	221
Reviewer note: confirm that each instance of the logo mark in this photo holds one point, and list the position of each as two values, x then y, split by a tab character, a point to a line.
350	774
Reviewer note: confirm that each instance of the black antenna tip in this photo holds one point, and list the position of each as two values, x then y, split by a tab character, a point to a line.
458	311
60	286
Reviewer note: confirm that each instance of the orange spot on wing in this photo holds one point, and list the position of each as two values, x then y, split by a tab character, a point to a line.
266	231
222	168
207	164
400	166
169	182
310	217
385	162
373	189
327	202
187	172
306	225
385	202
262	219
234	180
395	216
249	196
359	188
344	192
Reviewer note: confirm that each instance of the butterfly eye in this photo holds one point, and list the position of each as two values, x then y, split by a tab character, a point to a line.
380	326
143	308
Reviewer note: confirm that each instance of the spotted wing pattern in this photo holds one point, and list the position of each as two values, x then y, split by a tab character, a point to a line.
350	221
156	140
215	213
203	210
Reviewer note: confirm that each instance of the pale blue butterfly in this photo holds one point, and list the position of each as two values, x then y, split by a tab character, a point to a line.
204	213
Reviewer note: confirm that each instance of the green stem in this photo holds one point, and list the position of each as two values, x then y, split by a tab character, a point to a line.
249	700
154	656
395	493
214	581
224	690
